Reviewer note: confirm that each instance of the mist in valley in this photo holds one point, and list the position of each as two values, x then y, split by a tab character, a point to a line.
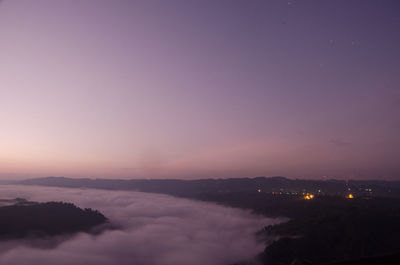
148	229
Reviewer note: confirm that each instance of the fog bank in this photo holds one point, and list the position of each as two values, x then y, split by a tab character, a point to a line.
155	230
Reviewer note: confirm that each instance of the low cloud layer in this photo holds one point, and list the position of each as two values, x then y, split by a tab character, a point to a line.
155	230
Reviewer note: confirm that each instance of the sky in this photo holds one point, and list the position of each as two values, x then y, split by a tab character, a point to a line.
200	89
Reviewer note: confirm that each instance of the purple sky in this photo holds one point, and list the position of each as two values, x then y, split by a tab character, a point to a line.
192	89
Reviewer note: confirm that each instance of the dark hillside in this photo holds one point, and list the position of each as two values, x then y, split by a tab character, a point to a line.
46	219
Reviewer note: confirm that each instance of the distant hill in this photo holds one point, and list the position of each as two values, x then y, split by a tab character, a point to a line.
45	219
187	188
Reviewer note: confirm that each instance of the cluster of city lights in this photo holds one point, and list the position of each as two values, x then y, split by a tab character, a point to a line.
309	196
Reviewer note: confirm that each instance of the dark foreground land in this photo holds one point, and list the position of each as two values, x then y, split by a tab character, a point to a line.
329	228
325	229
29	219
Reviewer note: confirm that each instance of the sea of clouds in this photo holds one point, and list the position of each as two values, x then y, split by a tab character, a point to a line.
153	229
